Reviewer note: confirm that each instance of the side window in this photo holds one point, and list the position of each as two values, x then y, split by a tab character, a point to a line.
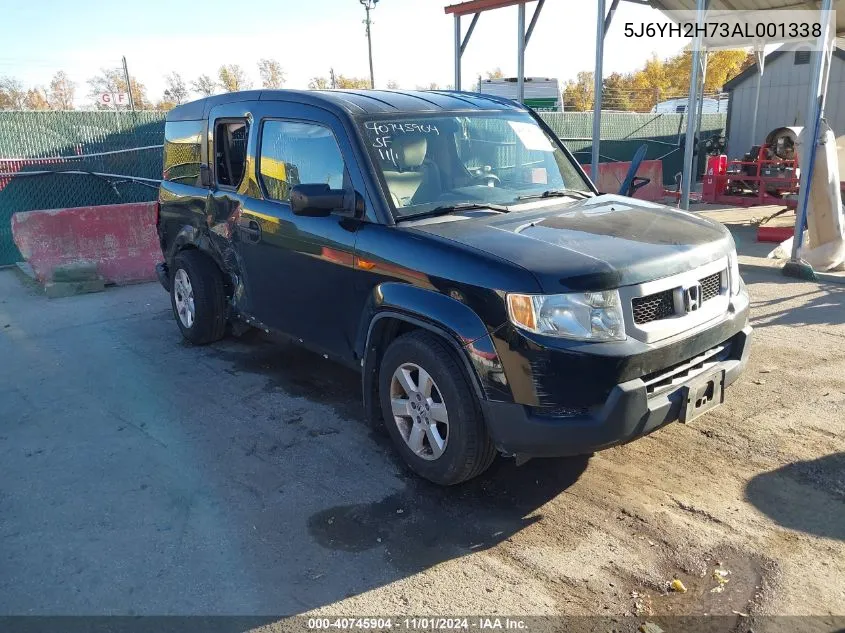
182	151
295	153
230	138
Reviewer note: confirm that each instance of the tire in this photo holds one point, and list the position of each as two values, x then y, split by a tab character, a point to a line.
467	450
205	282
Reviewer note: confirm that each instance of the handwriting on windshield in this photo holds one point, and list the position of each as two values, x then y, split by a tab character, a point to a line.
381	134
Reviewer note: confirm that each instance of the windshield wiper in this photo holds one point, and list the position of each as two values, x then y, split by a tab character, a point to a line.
461	206
556	193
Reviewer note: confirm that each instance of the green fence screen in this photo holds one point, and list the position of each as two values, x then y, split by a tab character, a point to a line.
129	144
121	143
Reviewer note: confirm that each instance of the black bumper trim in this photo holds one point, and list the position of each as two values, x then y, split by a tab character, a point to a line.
627	414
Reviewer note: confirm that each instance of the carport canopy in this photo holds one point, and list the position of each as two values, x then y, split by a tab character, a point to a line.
818	80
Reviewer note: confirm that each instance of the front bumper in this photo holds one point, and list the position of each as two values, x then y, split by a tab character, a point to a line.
628	412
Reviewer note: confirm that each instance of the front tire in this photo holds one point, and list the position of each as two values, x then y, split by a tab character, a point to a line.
431	412
198	298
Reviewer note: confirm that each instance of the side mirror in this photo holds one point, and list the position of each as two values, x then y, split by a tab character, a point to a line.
319	200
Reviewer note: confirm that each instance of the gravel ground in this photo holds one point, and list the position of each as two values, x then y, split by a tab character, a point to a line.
139	475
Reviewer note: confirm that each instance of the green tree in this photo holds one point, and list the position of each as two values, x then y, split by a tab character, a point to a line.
113	80
272	75
233	78
319	83
61	92
12	94
579	95
615	93
176	92
352	82
36	99
204	85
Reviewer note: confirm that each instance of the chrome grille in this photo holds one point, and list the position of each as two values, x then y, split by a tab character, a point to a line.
711	286
653	307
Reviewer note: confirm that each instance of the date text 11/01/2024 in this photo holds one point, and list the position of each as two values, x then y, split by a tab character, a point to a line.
418	624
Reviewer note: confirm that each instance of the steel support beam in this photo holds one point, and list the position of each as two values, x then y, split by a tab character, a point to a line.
686	177
597	90
458	52
520	55
461	44
609	18
815	112
534	21
761	61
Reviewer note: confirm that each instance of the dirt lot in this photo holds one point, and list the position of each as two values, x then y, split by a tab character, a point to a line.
139	475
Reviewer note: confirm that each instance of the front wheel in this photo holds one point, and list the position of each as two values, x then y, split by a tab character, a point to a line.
431	412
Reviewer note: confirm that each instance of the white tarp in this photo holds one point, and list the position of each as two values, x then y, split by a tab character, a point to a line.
824	240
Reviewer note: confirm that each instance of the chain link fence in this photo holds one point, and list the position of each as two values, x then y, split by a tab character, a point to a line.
114	157
99	153
622	133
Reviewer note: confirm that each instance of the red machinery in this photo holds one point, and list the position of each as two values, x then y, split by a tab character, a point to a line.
764	176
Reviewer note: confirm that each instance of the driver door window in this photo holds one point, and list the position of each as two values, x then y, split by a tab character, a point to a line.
294	153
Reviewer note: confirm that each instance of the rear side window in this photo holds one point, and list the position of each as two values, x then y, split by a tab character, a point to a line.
182	151
230	139
294	153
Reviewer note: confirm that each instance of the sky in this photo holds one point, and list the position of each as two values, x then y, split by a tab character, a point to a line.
412	40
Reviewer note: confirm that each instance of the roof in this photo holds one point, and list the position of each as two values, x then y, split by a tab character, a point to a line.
477	6
751	71
813	5
353	102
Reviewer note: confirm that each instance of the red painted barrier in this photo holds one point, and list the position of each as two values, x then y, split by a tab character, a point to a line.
120	238
611	176
774	233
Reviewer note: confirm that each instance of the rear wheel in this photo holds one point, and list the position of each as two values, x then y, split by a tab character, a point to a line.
431	412
198	298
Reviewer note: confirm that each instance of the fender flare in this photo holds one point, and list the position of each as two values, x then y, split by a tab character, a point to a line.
438	313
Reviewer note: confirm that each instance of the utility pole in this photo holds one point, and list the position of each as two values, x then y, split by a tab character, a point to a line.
369	5
128	85
333	83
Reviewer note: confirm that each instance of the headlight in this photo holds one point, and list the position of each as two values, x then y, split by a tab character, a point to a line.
583	316
733	275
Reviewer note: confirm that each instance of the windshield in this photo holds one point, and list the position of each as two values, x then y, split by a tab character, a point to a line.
429	162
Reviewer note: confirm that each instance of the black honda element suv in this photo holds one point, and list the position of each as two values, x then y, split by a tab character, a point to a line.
448	247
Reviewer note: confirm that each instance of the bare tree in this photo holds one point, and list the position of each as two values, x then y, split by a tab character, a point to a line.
392	85
204	85
496	73
113	80
233	78
36	99
61	92
176	92
12	94
272	75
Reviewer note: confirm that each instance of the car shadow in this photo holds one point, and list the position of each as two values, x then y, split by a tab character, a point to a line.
420	524
808	496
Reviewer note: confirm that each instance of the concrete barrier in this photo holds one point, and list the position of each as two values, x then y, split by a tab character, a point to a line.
611	176
120	239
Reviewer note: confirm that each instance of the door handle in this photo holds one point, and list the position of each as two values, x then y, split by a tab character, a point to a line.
250	228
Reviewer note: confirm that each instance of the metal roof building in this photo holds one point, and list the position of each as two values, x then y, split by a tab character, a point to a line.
783	98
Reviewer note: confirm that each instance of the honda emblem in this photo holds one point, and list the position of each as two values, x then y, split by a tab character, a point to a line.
692	297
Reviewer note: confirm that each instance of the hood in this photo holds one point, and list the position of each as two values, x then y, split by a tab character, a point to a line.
597	244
